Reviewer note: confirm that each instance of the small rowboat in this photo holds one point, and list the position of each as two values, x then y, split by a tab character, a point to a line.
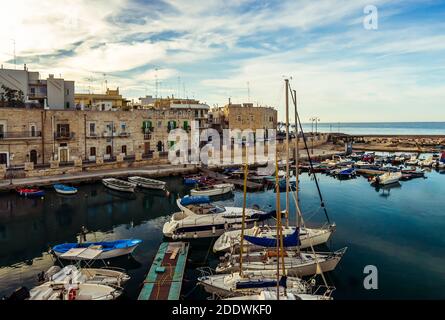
99	250
119	185
63	189
213	190
30	192
147	183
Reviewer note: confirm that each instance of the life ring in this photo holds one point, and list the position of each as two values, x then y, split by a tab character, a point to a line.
72	294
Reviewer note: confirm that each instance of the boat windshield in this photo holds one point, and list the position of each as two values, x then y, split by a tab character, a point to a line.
217	209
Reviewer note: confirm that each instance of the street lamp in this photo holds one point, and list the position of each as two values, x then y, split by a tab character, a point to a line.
313	120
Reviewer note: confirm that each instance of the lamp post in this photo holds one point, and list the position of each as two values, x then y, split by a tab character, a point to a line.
312	120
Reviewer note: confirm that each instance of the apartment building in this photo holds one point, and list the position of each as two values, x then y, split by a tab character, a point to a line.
51	93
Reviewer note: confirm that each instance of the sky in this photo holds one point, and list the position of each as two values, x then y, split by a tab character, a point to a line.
241	49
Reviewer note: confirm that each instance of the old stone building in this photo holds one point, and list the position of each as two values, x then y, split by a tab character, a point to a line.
243	116
41	136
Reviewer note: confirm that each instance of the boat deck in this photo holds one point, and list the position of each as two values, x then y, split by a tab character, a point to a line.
164	279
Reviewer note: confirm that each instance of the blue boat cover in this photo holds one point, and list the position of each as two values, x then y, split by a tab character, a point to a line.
261	283
106	245
292	240
347	171
194	200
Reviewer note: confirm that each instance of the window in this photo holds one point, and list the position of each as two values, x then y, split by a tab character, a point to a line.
238	118
159	124
93	151
32	130
123	126
92	129
63	130
67	105
67	92
124	150
108	150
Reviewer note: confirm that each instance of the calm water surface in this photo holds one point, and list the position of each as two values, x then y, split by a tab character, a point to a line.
399	230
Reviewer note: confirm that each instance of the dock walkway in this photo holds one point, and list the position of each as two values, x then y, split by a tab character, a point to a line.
164	279
91	176
237	182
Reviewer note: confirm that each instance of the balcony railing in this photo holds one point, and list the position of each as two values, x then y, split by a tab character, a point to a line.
147	136
63	135
20	135
147	130
122	134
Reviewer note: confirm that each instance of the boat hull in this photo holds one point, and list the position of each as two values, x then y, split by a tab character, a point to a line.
212	192
129	188
314	237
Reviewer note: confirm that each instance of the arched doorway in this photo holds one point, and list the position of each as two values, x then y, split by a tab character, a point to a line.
33	156
160	146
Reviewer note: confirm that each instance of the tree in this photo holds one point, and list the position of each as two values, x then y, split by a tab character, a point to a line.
14	98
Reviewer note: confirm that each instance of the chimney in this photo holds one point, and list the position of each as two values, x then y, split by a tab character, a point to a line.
230	102
24	66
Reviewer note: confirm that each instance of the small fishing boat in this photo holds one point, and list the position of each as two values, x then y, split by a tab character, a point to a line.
30	192
387	178
428	162
73	274
64	189
119	185
213	190
81	291
413	161
148	183
346	173
103	249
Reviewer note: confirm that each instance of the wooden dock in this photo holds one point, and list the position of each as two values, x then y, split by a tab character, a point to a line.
164	279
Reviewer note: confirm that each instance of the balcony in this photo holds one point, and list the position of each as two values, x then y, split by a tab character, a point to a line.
64	135
93	135
109	135
20	135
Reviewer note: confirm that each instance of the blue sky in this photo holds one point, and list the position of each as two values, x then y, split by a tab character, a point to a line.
213	50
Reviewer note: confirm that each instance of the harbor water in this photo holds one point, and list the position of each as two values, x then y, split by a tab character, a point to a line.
399	230
390	128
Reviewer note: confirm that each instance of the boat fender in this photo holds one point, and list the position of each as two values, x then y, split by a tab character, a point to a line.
226	226
72	294
174	237
213	230
195	236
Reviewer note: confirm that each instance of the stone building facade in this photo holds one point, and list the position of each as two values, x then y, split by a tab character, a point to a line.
43	136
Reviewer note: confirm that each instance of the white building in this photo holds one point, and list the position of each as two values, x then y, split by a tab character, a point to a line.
52	93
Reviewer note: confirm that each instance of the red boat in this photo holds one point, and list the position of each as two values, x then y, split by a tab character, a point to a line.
30	192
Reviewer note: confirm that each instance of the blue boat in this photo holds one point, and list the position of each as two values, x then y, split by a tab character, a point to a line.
188	200
191	181
105	249
347	172
64	189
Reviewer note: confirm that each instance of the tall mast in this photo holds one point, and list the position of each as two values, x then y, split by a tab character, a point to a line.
287	152
246	166
278	212
297	162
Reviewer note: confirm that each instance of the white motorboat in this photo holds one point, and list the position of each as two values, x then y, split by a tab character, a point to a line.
80	291
413	161
271	294
213	190
230	240
147	183
119	185
428	162
387	178
296	263
73	274
227	285
201	219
